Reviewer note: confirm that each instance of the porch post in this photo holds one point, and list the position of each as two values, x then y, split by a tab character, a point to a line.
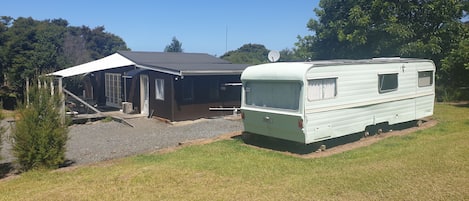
62	101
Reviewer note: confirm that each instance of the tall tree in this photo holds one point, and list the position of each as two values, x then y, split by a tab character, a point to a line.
455	69
357	29
175	46
29	48
101	43
375	28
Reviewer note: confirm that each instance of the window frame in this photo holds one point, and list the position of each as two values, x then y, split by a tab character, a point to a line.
159	82
381	82
252	101
430	72
310	98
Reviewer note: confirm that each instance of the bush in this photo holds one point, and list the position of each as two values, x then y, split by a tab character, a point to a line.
40	135
2	130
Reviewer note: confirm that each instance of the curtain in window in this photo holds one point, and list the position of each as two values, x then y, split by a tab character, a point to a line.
328	88
314	89
319	89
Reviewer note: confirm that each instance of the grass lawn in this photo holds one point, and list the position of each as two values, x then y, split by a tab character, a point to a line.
430	164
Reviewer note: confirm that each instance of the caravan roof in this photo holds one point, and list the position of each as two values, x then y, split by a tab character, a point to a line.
297	70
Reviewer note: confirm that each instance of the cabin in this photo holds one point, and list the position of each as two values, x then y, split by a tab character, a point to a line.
308	102
168	85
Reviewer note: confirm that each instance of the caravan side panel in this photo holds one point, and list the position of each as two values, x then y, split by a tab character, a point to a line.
360	102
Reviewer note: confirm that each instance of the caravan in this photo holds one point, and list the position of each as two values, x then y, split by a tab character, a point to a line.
308	102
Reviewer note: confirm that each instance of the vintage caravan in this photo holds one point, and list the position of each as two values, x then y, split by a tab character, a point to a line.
309	102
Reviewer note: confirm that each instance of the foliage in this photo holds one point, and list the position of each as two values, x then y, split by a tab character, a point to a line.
429	164
30	47
248	54
376	28
175	46
290	55
40	135
2	129
380	28
455	67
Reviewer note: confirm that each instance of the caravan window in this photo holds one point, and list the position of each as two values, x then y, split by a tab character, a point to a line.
425	78
319	89
387	82
270	94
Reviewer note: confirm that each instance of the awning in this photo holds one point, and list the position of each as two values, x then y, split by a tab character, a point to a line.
112	61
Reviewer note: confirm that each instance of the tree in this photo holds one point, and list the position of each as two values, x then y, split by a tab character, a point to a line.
2	131
175	46
100	43
40	135
379	28
29	48
376	28
290	55
455	70
248	54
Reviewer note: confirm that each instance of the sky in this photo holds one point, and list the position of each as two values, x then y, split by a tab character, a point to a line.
203	26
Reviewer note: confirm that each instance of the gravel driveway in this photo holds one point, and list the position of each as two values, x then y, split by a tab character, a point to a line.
98	141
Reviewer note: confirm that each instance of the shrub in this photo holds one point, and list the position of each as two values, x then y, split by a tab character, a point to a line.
40	135
2	130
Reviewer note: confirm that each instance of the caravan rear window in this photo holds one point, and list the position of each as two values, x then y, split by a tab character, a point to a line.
271	94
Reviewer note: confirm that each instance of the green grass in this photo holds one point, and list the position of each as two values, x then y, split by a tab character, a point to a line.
430	164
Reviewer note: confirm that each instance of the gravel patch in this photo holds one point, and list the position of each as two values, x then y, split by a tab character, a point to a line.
99	141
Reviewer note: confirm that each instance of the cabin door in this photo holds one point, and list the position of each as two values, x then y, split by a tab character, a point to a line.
144	96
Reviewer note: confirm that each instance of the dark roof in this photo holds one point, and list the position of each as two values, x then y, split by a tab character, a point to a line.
183	63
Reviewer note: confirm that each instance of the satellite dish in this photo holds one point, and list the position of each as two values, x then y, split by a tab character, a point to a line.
273	56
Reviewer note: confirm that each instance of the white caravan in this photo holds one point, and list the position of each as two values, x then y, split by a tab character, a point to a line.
308	102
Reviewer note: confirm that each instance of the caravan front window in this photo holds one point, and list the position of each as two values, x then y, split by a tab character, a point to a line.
320	89
271	94
425	78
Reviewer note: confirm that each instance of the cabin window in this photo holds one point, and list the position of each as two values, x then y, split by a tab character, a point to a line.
159	89
270	94
387	82
320	89
425	78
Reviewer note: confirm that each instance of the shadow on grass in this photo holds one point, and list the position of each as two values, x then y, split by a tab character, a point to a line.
296	147
466	105
6	169
67	163
301	148
9	169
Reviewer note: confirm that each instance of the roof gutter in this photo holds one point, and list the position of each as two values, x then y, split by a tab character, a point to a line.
158	69
212	72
